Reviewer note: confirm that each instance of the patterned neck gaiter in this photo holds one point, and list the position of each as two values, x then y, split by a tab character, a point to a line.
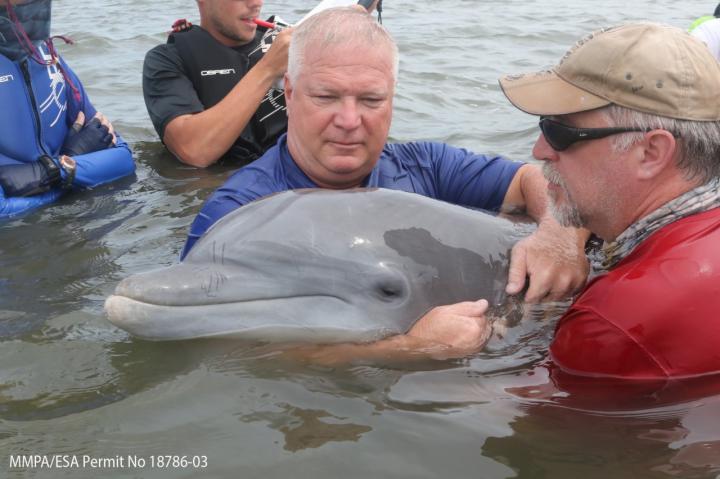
702	198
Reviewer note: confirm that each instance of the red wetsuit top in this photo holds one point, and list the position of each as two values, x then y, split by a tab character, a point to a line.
656	315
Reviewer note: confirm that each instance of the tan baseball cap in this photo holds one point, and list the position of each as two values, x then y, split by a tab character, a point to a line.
646	67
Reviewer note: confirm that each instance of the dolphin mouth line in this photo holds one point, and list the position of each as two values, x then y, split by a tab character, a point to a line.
242	301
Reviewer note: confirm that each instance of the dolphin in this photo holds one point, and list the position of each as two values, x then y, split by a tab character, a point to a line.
321	266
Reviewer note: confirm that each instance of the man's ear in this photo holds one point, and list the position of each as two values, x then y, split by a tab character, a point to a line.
658	152
288	87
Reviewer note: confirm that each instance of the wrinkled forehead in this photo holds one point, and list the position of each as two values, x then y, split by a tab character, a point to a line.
350	53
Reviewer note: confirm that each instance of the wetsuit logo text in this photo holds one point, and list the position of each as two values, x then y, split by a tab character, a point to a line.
209	73
6	78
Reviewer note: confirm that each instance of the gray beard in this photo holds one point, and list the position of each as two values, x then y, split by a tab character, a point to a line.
568	214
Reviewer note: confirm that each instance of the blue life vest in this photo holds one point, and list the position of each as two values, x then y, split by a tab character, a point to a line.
37	108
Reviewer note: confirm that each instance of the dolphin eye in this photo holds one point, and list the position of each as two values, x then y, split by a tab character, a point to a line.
389	291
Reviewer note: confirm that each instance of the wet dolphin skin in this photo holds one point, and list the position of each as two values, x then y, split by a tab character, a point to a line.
321	266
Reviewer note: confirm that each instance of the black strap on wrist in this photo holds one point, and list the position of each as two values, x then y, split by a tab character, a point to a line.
51	168
69	170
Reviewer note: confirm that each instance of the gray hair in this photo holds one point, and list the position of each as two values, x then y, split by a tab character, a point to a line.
698	141
338	26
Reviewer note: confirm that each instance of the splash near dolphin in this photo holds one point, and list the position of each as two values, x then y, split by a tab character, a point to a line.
321	266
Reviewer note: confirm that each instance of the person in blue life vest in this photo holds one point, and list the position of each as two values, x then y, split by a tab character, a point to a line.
52	139
212	90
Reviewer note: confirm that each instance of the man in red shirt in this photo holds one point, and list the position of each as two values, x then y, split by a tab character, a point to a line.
630	123
630	142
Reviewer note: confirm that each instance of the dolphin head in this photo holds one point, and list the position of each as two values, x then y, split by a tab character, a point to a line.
320	266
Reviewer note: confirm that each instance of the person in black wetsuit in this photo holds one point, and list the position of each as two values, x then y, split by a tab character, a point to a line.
209	91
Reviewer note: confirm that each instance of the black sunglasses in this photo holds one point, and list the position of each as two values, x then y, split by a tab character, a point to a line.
560	136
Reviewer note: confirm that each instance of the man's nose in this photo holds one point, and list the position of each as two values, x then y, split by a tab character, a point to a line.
348	116
542	150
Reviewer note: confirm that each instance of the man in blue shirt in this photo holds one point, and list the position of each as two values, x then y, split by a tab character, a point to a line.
339	89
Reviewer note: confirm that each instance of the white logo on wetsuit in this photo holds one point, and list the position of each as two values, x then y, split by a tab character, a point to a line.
52	103
208	73
268	39
6	78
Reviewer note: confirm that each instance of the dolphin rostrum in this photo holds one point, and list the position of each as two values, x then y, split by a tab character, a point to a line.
321	266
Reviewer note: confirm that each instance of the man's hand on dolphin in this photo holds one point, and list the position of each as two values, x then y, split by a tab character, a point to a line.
553	257
445	332
451	331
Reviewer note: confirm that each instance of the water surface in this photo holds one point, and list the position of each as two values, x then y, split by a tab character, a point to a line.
72	384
